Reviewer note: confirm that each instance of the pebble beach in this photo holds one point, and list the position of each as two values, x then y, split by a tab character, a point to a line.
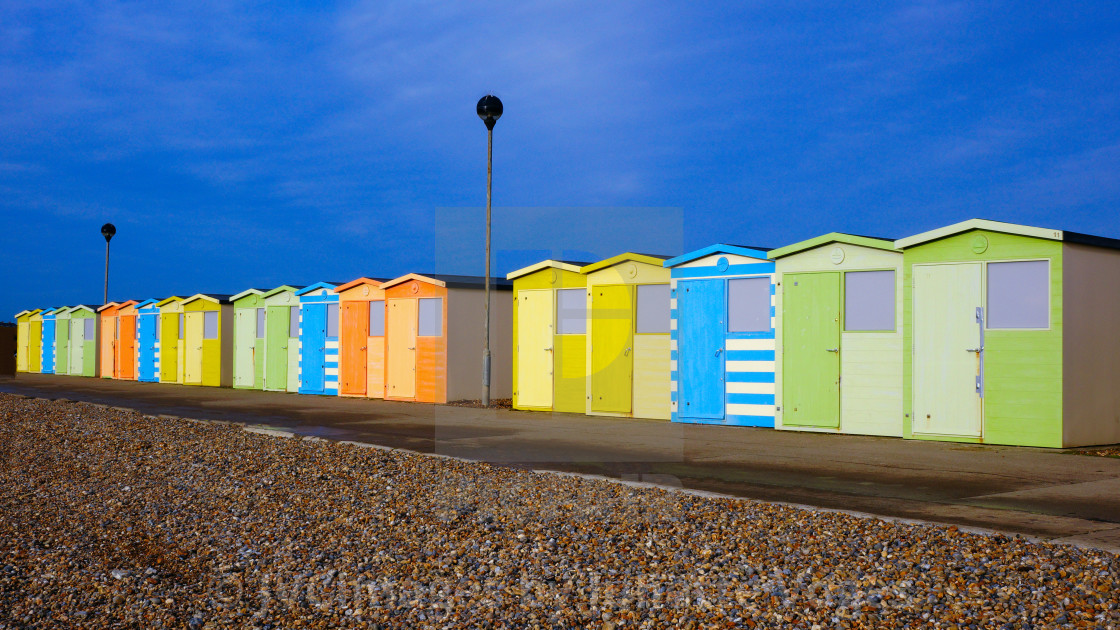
113	519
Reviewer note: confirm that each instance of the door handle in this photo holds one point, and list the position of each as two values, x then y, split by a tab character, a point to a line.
718	351
362	348
548	349
976	350
832	350
627	353
412	348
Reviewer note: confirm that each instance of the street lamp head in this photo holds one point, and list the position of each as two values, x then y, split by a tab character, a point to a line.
489	110
108	230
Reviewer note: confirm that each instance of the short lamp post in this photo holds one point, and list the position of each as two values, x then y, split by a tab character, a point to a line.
489	109
107	230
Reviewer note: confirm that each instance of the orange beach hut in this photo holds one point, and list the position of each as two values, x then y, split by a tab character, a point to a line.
116	346
361	341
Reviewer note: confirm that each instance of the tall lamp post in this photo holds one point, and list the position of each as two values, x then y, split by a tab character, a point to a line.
489	109
107	230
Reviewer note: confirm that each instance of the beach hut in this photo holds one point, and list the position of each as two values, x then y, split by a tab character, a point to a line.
171	327
550	337
281	348
628	356
434	340
1010	335
25	339
112	343
148	349
722	336
82	339
62	340
128	341
207	342
248	339
361	338
49	339
318	339
839	355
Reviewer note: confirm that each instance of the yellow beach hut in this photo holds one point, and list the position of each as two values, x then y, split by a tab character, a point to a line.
550	337
171	339
629	371
208	340
25	340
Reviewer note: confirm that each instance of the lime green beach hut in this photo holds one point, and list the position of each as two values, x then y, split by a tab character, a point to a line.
281	342
248	339
1010	335
550	337
839	355
81	342
26	346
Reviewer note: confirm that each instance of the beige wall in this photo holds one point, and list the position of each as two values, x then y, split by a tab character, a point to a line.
1091	346
464	344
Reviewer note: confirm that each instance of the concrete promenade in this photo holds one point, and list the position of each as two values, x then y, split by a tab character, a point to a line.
1053	495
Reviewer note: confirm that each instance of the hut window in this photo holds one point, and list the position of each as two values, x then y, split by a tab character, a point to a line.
377	318
748	305
431	317
571	312
260	323
332	320
87	329
1019	294
181	327
293	322
869	302
210	325
653	308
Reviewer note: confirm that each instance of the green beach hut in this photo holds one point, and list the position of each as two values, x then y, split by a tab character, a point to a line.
281	343
80	354
248	339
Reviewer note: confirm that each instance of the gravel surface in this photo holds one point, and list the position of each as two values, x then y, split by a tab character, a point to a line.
115	519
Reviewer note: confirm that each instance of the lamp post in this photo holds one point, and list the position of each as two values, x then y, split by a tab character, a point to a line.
489	109
107	230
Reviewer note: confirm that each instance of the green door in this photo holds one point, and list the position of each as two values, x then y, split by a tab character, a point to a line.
811	350
276	354
244	338
946	356
62	347
612	348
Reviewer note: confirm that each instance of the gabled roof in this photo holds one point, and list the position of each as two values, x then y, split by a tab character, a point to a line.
147	302
360	281
315	287
30	311
978	224
649	259
55	310
757	253
450	281
833	237
217	298
566	265
245	293
116	305
167	300
84	307
282	288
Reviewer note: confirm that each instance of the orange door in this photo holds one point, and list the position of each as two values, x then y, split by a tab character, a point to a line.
126	349
375	351
108	347
352	345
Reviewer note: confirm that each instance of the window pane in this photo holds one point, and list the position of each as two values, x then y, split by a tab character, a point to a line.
431	317
293	322
377	318
89	331
1019	294
210	325
181	327
653	308
332	320
748	305
869	300
260	323
571	312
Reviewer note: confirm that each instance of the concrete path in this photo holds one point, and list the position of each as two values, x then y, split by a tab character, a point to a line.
1053	495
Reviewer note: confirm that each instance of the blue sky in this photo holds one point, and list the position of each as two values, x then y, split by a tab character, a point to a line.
252	144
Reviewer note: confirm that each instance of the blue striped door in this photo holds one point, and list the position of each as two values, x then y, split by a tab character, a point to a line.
701	322
146	325
313	342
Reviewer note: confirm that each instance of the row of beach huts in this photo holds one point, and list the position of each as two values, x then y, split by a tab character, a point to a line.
975	332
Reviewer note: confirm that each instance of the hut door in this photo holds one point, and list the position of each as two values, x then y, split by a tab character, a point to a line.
535	329
276	347
400	333
946	340
701	322
127	348
62	349
48	346
192	348
313	349
169	347
148	338
811	350
353	345
612	348
77	345
244	336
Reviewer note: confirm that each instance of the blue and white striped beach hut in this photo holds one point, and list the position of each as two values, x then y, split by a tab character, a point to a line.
147	341
318	339
722	336
50	341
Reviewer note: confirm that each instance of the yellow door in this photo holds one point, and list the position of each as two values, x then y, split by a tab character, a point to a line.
400	330
612	348
192	340
535	327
